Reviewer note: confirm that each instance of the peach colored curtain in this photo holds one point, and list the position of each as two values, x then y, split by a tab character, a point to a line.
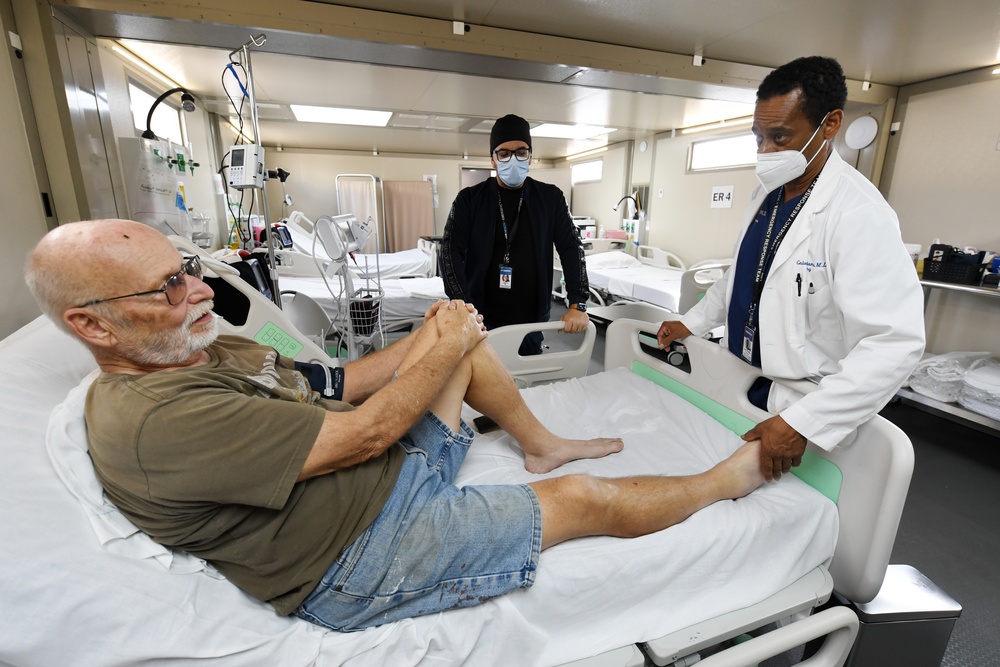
409	213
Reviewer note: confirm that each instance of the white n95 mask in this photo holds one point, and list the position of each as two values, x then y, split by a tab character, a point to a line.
777	168
512	172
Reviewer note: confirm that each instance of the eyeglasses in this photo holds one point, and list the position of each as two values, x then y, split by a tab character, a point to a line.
175	288
504	155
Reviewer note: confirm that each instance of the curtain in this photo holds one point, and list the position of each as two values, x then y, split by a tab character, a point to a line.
409	213
358	196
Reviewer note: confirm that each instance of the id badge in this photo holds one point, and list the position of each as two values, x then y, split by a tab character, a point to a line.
505	276
749	332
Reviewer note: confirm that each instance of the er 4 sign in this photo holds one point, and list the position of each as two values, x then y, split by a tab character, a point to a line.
722	196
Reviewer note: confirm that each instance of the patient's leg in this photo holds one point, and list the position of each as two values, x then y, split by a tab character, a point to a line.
482	381
580	505
493	392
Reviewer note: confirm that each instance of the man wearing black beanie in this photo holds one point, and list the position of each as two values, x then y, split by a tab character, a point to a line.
496	251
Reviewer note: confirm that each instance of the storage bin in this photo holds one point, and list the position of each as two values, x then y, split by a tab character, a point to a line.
948	264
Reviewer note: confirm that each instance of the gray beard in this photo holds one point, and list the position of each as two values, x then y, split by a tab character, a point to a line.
172	347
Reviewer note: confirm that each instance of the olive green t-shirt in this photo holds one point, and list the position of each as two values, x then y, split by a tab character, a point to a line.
205	460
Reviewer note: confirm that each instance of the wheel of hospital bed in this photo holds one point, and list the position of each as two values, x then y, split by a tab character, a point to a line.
546	367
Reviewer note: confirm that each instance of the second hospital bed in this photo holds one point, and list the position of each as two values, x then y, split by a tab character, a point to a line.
81	586
616	275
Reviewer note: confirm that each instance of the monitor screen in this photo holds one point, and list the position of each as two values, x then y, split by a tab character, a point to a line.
282	237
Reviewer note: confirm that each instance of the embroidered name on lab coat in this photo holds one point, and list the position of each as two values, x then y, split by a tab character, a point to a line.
810	265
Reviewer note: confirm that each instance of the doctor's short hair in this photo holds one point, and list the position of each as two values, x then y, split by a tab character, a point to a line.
821	80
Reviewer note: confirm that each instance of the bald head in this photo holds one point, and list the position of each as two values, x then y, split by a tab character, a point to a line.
95	259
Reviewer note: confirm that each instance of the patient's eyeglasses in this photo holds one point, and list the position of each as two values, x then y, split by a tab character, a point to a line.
504	155
175	288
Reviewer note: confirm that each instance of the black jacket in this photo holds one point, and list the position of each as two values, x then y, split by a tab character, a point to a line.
467	246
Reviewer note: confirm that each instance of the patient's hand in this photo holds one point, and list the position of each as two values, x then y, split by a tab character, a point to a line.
781	446
436	306
460	320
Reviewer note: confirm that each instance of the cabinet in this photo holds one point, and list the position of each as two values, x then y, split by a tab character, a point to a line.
953	411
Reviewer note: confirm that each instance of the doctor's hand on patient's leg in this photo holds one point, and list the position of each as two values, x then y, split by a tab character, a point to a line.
781	446
669	332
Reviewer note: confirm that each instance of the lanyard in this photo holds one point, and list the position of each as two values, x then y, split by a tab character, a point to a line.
503	219
767	252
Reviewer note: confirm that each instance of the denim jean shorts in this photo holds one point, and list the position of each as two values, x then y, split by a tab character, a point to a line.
434	546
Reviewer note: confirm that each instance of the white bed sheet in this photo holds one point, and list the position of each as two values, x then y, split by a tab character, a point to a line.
68	601
412	262
404	298
625	276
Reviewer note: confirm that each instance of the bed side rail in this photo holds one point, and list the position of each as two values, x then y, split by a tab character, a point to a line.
838	624
657	257
547	367
264	321
876	464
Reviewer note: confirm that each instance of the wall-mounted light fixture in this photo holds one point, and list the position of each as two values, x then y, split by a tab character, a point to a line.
187	104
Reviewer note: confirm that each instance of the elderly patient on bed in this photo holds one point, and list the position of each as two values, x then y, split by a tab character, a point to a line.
339	510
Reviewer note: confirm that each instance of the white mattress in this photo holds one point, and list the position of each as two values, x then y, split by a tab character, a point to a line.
404	298
66	600
413	262
622	275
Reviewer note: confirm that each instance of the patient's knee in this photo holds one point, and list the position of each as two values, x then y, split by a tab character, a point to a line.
583	494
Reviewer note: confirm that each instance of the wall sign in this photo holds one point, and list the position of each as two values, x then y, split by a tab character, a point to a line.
722	196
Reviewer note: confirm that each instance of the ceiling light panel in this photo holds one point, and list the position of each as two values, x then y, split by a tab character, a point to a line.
560	131
341	116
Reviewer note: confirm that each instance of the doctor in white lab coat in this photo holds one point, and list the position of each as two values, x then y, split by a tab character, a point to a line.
829	294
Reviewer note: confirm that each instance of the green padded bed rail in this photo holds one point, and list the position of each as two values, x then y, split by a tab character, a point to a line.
816	471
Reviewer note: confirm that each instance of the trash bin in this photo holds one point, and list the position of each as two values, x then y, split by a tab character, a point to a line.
908	623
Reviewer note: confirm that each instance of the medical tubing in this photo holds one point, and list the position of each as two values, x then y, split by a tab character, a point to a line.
231	67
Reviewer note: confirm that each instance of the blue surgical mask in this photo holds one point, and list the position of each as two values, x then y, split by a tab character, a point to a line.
513	172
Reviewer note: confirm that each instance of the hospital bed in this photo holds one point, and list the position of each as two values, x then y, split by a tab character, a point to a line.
81	586
403	299
618	275
307	256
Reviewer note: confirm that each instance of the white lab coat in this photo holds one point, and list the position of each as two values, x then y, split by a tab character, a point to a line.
857	329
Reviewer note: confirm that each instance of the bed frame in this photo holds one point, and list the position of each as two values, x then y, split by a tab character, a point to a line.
868	480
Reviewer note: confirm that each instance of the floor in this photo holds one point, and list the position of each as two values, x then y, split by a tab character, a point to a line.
950	529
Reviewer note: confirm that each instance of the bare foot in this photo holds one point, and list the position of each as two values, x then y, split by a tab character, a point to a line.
560	451
741	471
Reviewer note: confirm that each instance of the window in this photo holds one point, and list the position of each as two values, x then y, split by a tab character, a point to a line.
725	153
166	119
584	172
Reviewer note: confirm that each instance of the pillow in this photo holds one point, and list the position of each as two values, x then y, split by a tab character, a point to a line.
67	446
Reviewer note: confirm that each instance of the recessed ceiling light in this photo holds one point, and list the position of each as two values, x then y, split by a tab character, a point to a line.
339	116
560	131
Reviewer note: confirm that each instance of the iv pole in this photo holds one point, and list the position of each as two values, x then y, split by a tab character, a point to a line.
244	52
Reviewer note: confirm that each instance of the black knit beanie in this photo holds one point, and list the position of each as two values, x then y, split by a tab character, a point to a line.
509	128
